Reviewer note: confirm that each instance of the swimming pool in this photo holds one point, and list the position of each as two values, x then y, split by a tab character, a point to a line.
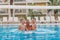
43	32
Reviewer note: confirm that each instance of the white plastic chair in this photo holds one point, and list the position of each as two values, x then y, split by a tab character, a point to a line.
42	19
10	19
16	19
5	19
29	18
53	19
48	19
0	20
58	18
36	19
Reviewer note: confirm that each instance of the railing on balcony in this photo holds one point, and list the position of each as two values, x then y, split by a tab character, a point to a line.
37	0
19	11
4	11
40	0
19	0
31	1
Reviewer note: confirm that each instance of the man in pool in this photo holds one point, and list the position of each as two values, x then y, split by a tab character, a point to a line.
33	24
22	25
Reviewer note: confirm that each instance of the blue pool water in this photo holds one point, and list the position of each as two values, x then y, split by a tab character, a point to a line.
43	32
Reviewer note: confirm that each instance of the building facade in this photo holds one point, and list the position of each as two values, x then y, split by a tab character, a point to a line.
25	12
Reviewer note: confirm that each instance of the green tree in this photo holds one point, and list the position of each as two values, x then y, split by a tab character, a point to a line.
54	2
31	13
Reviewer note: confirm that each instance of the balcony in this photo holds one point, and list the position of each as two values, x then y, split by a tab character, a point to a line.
4	11
20	11
41	0
37	1
29	1
19	1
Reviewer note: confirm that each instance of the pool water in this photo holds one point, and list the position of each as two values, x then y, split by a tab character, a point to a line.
43	32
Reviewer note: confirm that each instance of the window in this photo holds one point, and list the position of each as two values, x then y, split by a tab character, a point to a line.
3	10
19	0
20	10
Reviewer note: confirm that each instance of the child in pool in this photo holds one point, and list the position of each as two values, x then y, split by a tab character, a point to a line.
22	26
28	26
33	24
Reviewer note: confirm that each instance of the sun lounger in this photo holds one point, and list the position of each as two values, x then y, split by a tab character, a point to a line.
16	20
42	20
58	18
53	19
10	20
5	20
37	21
47	19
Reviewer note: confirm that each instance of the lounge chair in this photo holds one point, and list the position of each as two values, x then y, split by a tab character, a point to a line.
58	18
47	19
37	21
42	20
5	20
53	19
10	20
16	20
0	21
